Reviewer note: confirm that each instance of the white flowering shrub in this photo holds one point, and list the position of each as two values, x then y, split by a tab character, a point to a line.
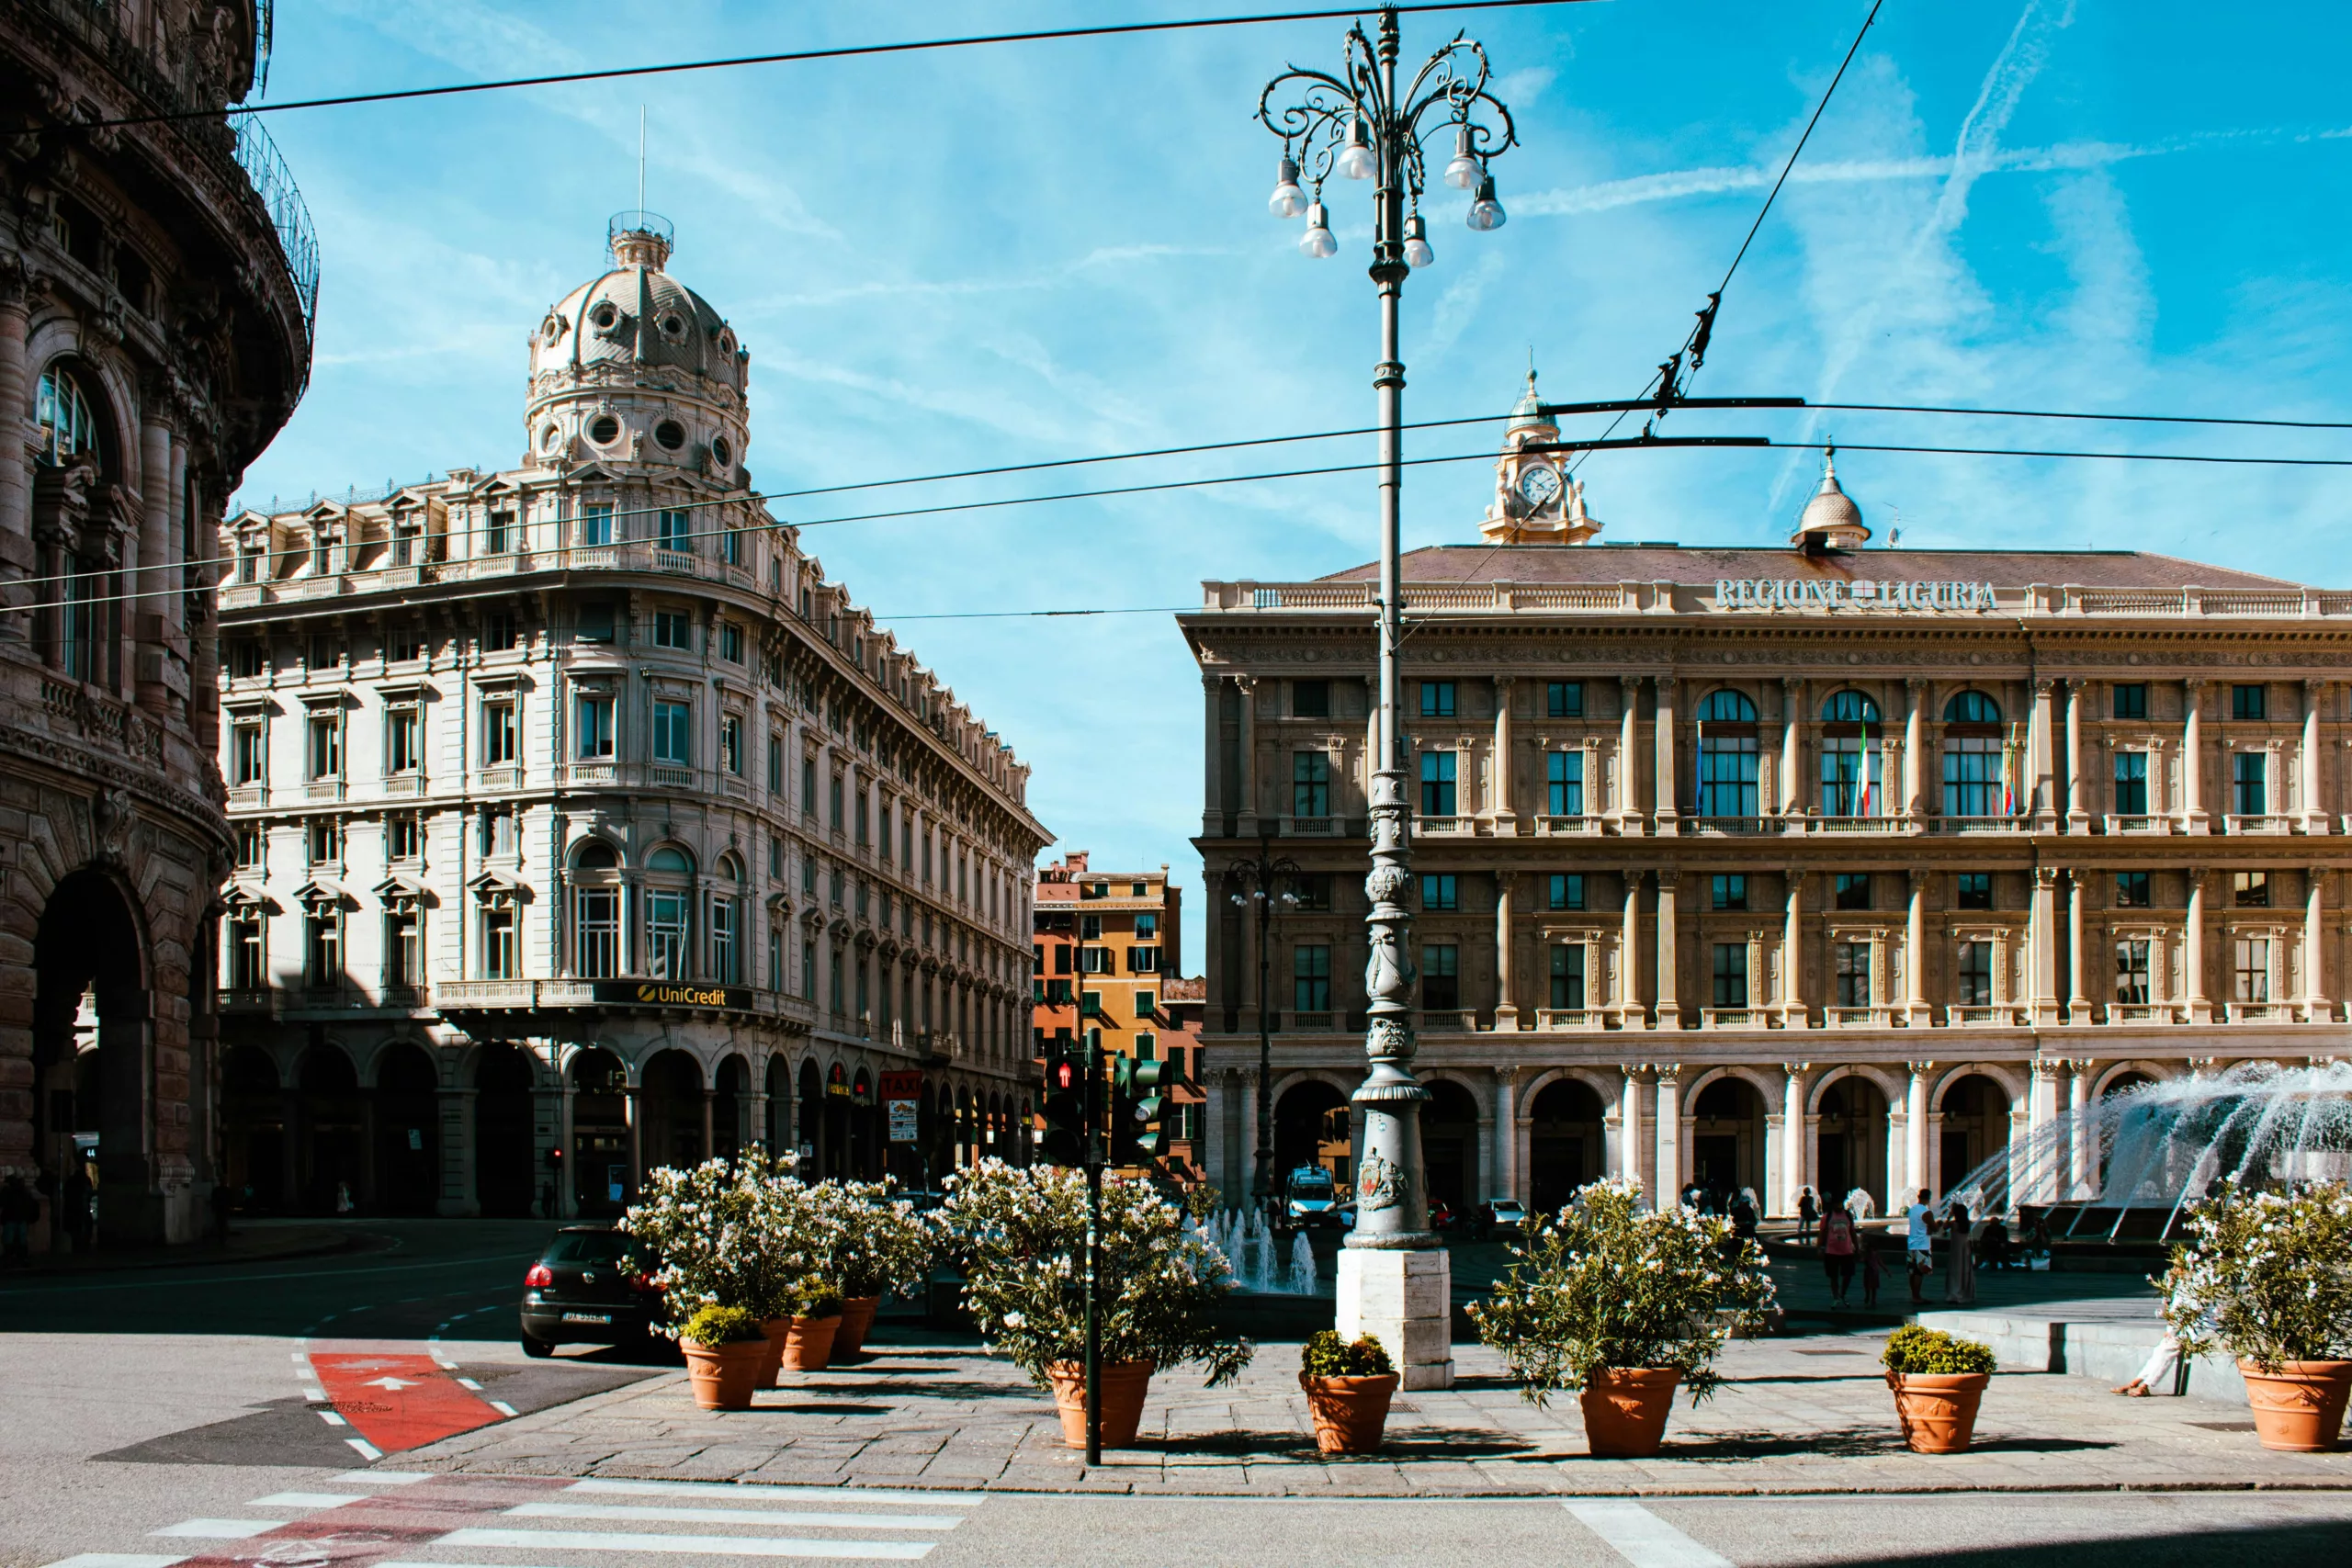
1606	1285
2266	1275
1020	1237
729	1233
864	1242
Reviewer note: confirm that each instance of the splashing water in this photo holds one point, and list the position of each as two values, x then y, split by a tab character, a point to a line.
2157	1147
1302	1265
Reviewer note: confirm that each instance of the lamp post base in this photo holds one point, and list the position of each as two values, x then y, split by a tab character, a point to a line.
1405	1301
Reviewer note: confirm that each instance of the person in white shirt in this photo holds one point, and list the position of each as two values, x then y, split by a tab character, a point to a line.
1919	1246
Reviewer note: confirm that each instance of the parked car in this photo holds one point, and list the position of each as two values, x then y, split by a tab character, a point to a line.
592	1285
1502	1214
1442	1215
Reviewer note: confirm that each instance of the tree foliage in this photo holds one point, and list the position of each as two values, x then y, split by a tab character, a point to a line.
2266	1275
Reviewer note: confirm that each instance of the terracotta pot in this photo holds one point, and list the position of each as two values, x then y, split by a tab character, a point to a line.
722	1375
1349	1412
809	1343
1125	1383
2298	1409
1938	1410
1625	1410
774	1328
857	1317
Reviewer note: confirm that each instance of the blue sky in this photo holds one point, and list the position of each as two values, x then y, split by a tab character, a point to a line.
1044	251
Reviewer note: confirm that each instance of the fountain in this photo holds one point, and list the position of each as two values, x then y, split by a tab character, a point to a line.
1302	1264
2128	1164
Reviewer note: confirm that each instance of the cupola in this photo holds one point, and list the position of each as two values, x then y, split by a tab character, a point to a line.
1831	521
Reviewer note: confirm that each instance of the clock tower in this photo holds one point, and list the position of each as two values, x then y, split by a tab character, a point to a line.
1535	501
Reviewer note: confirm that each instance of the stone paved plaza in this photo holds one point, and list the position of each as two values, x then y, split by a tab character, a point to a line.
1803	1414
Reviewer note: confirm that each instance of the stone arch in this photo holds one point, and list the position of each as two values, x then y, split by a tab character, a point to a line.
730	1105
405	1082
2012	1083
1724	1115
1607	1090
776	1073
1889	1089
1847	1136
1312	1125
811	1103
253	1129
602	1156
505	1080
1767	1090
670	1102
1566	1137
1452	1141
97	1060
2159	1072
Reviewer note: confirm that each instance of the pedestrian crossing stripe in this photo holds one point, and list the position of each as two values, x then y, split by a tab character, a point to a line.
674	1515
696	1545
117	1560
901	1496
218	1530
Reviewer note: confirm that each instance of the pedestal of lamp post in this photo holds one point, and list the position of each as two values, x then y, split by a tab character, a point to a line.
1405	1299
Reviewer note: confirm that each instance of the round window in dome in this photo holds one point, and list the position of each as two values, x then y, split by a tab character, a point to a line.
671	434
605	430
551	329
721	449
603	316
550	438
671	326
726	341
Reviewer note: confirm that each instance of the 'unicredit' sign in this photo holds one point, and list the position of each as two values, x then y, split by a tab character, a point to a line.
1836	593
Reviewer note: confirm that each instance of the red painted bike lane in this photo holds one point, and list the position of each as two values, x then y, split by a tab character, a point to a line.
399	1400
389	1526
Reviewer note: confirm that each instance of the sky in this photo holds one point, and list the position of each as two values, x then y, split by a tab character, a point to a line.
1041	251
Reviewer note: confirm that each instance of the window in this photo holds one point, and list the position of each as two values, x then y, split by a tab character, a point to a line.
808	970
593	715
1313	892
1310	699
62	413
1853	960
498	738
321	554
248	754
1143	960
323	941
498	944
677	532
1568	976
1564	699
1437	699
595	622
250	839
1440	974
776	772
2131	701
498	533
665	933
2250	889
1973	771
730	642
725	960
597	941
1727	756
674	733
834	802
400	969
1147	1047
1564	890
1730	974
808	786
2250	781
2249	702
1437	782
1440	890
1730	891
1310	784
1090	928
2251	971
247	972
502	632
731	743
2131	784
498	831
403	738
1972	890
670	629
730	546
2132	890
1853	773
246	657
1853	890
2131	974
1310	968
596	522
325	836
1565	776
326	745
403	837
1973	975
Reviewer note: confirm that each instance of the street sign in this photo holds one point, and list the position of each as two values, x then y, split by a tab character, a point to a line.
903	1120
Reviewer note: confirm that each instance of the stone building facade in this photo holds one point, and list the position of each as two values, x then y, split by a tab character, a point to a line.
581	825
1826	866
156	288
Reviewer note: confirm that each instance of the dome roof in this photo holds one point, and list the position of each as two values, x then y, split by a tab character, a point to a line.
1528	412
637	314
1831	520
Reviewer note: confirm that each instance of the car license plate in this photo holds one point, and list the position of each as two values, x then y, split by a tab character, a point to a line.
587	1317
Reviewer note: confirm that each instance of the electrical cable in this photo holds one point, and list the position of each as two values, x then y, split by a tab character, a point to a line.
846	51
2118	418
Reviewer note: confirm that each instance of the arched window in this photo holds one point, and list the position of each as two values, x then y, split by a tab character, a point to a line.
1971	707
1976	762
726	924
1727	759
67	425
669	919
596	911
1848	707
1853	759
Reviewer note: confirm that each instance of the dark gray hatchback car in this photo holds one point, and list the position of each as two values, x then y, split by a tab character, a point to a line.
590	1286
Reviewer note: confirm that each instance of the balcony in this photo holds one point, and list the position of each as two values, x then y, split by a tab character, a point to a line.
1864	1017
323	789
1448	1020
1446	827
2267	823
404	785
634	555
1844	824
1735	1018
1730	826
2002	1015
2157	827
248	1000
1314	826
1314	1023
2141	1013
1568	827
1565	1020
2258	1013
1976	824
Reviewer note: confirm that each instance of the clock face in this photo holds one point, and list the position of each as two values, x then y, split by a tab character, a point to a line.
1539	484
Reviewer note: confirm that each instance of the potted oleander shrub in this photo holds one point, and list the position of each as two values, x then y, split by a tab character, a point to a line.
1020	1238
869	1245
812	1319
724	1349
1348	1387
730	1233
1938	1380
2268	1276
1624	1303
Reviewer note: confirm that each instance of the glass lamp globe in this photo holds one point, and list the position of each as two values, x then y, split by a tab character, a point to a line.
1288	200
1356	159
1485	213
1317	241
1462	173
1417	244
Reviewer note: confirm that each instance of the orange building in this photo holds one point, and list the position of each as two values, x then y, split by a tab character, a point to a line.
1105	958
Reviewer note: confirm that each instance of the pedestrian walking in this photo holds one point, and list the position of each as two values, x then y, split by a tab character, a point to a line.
1920	1247
1837	1253
1871	1272
19	1208
1959	1269
1808	1211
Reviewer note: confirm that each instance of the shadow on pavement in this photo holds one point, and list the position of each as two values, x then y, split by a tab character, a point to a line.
2274	1546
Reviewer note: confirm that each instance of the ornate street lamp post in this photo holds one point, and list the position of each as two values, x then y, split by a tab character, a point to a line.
1260	876
1395	1279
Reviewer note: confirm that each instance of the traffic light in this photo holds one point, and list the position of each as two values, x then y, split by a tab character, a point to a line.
1140	1109
1065	1103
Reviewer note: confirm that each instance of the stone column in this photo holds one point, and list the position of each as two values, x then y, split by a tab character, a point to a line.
1915	1151
1915	952
1631	1146
2041	952
458	1189
2082	1160
1505	999
1630	1013
16	480
2078	1004
1628	772
2079	820
1505	817
709	1101
2044	775
145	613
1246	1145
1245	825
1506	1134
2315	1004
2307	761
1793	1012
1667	1189
567	1181
1669	1012
1792	729
2042	1178
2192	759
1792	1135
1668	787
2193	956
1915	698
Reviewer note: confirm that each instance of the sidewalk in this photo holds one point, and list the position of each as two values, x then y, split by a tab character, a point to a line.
250	1241
1805	1414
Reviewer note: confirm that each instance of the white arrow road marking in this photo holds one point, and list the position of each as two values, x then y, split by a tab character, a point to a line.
674	1515
220	1529
389	1384
1642	1538
698	1545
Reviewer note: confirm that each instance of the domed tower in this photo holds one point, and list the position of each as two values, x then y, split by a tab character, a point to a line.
1535	501
1831	521
634	367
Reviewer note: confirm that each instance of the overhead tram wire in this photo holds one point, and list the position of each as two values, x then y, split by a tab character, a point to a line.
845	51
